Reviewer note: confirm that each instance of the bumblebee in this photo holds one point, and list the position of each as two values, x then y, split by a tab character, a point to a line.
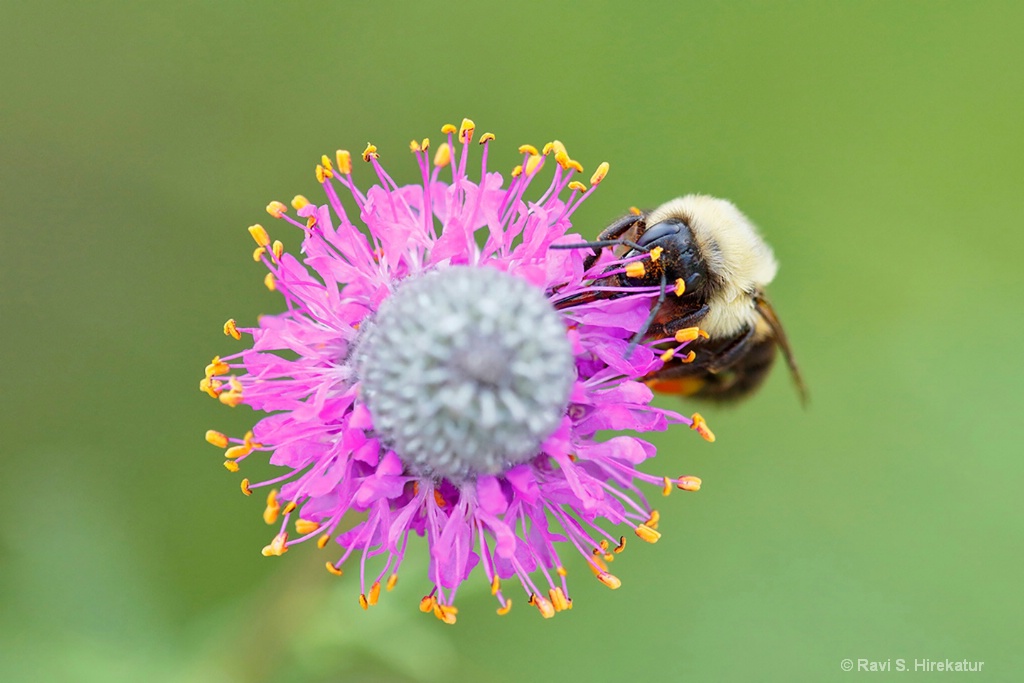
719	266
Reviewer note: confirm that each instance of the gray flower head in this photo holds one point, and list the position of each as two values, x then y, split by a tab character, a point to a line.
465	371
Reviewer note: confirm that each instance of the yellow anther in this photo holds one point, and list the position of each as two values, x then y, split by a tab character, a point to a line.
517	171
231	465
427	603
392	582
217	367
609	580
310	222
648	534
503	610
563	160
259	234
276	209
680	288
560	570
299	202
344	159
597	565
236	452
326	161
466	130
414	146
210	386
667	488
374	593
577	186
555	146
290	507
230	398
273	508
446	613
700	425
279	546
270	282
425	145
322	541
543	605
486	137
600	173
363	602
443	155
689	483
321	174
621	546
495	585
687	334
528	149
449	128
533	163
575	165
604	545
245	487
258	253
655	253
216	438
439	499
635	269
653	520
332	569
278	248
370	152
558	600
667	356
688	358
306	526
231	330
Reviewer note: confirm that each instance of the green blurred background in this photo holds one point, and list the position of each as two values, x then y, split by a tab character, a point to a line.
878	144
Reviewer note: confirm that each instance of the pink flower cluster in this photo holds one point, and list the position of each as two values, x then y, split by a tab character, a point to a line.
299	369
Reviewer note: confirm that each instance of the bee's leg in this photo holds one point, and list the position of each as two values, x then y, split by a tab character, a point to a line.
732	353
690	319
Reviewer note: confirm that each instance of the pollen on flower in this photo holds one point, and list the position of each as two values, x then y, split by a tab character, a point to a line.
635	269
278	546
689	483
231	330
680	287
216	438
439	370
647	534
600	173
700	425
443	155
344	159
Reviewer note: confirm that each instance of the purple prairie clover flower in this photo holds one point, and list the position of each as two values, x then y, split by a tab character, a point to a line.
442	371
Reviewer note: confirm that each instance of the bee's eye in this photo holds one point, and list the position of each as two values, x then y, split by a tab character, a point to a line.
659	230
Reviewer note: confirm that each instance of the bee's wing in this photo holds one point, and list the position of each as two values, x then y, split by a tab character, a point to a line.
768	314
